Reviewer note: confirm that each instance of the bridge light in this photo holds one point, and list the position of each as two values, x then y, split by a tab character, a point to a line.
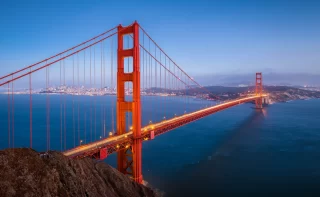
81	142
152	127
127	146
110	133
150	122
125	136
100	137
131	128
117	146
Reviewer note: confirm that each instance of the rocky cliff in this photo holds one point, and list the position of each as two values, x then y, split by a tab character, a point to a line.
24	172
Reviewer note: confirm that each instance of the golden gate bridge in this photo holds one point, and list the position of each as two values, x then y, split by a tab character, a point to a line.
125	57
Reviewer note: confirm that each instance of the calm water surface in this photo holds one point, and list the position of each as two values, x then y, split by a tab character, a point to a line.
236	152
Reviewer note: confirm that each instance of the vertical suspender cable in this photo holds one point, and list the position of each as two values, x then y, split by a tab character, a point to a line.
78	99
9	114
150	79
30	93
155	68
104	86
160	81
47	122
112	103
84	86
12	101
169	83
60	92
90	101
165	84
48	109
101	104
143	71
95	99
73	121
64	104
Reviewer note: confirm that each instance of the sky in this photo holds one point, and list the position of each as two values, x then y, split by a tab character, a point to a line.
203	37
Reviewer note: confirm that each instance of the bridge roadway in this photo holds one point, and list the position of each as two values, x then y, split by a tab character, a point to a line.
114	143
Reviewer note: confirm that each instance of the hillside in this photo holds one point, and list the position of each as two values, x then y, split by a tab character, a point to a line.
23	172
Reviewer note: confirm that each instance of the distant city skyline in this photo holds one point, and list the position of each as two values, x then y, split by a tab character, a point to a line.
269	78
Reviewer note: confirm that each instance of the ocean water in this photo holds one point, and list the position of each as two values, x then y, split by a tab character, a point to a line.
236	152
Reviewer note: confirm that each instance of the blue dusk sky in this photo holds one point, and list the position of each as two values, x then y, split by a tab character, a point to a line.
204	37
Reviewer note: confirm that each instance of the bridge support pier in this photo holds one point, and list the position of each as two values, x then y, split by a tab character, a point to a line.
259	90
129	160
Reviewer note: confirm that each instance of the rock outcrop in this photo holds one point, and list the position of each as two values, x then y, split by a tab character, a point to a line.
25	172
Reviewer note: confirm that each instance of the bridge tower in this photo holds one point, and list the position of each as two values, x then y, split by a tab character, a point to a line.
129	159
259	90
